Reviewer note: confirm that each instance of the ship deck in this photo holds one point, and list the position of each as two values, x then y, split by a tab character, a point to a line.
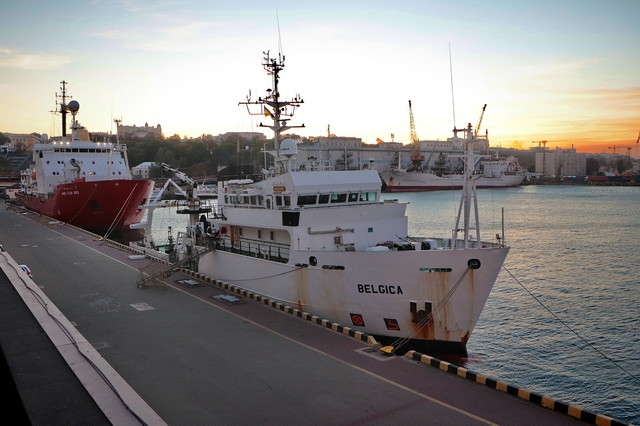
180	354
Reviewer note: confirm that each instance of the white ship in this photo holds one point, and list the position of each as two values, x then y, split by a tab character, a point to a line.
324	242
495	173
422	176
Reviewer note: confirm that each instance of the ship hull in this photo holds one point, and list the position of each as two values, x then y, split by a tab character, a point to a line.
418	181
384	294
97	206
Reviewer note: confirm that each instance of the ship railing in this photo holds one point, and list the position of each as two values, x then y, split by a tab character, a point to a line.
429	243
255	248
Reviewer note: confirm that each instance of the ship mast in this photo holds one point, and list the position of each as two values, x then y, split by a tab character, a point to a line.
468	192
271	105
64	108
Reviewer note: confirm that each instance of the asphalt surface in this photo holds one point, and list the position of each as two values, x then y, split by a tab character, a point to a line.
196	360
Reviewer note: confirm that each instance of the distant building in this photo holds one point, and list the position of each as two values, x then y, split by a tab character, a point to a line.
21	142
560	162
141	171
135	132
347	153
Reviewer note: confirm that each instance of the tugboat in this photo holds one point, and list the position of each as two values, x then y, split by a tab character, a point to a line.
84	183
324	242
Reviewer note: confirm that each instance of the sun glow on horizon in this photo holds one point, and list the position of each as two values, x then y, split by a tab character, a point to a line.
186	67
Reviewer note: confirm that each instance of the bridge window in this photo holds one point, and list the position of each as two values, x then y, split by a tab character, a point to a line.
368	196
306	199
338	198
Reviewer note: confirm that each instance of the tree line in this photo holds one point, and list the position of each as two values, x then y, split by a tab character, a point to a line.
202	157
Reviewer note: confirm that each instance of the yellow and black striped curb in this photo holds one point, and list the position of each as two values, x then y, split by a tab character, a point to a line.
544	401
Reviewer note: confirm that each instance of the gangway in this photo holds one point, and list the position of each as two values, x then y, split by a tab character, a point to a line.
157	271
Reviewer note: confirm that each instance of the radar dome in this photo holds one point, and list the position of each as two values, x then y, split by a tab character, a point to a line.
288	147
73	106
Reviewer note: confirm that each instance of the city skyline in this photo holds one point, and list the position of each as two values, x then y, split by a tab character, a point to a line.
563	72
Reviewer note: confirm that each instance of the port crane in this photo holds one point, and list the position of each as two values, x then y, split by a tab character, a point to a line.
475	133
416	157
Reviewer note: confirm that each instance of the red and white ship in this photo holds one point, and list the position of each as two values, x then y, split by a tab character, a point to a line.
84	183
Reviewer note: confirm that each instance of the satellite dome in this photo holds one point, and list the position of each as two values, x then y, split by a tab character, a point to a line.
73	106
288	147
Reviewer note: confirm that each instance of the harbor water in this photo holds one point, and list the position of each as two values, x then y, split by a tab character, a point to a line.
563	319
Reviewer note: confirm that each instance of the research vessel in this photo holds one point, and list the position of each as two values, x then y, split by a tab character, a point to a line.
326	243
81	182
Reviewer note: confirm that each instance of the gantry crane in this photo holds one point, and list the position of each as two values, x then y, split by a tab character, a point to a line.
416	157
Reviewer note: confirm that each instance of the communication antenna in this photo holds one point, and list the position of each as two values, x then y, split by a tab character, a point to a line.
453	104
279	38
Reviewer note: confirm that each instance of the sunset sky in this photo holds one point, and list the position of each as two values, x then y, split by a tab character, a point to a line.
565	71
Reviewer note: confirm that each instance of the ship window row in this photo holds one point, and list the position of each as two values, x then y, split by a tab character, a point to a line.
302	200
61	162
91	150
336	197
245	200
54	173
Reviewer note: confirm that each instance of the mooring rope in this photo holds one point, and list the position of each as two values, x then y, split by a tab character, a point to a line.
591	345
120	213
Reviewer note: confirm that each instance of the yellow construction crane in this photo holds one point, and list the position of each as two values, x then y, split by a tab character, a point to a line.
475	133
416	157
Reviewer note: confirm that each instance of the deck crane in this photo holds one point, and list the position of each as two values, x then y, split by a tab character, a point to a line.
180	175
416	157
191	184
